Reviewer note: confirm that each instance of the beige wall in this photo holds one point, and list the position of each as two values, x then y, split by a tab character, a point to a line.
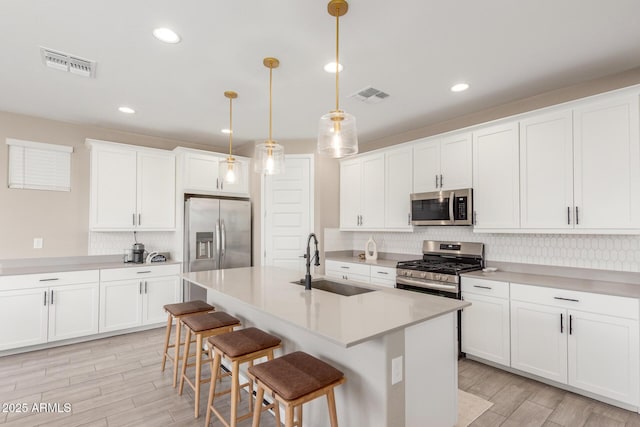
60	218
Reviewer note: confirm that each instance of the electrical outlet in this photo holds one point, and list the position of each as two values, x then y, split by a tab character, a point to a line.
396	370
37	243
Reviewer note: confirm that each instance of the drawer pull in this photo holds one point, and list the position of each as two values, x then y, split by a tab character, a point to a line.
49	280
567	299
144	272
482	287
382	272
345	267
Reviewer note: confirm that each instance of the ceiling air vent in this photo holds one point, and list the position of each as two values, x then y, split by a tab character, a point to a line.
65	62
370	95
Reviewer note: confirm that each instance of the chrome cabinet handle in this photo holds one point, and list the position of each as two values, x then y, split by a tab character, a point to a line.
144	272
49	280
217	183
145	287
482	287
561	323
51	299
567	299
570	324
345	267
382	272
133	219
139	219
140	287
222	184
440	180
577	217
408	219
568	215
45	297
436	181
475	217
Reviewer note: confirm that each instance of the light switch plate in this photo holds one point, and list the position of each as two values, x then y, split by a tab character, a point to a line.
396	370
37	243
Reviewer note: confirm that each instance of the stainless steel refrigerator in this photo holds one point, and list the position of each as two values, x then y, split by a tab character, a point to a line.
217	235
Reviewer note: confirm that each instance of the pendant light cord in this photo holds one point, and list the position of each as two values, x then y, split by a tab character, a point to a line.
270	100
337	57
230	126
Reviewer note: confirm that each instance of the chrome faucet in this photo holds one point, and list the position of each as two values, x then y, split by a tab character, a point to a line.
308	257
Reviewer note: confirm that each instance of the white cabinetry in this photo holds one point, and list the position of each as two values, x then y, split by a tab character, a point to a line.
361	272
34	311
134	296
443	163
495	177
485	325
585	340
200	173
397	188
132	188
362	198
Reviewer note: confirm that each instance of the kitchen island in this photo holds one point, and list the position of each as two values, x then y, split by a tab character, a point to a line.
362	335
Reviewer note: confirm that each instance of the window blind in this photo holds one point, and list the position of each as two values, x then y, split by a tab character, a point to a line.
39	166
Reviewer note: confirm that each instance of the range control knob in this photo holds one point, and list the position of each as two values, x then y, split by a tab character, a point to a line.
423	275
437	277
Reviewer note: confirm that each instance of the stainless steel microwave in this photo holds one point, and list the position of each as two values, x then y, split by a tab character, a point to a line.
452	207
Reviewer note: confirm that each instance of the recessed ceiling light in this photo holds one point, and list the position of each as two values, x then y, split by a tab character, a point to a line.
227	131
331	67
126	110
459	87
166	35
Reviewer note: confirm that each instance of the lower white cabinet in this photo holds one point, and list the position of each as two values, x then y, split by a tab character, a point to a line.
588	341
73	311
485	325
131	297
23	314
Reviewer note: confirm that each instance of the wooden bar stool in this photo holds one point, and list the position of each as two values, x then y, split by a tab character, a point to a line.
295	379
202	326
242	346
178	311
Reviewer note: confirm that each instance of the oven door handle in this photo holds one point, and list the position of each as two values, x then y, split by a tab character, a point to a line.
426	285
452	196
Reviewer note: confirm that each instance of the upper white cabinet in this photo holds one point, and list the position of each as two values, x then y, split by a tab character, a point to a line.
496	177
200	173
362	198
443	163
607	164
397	188
132	188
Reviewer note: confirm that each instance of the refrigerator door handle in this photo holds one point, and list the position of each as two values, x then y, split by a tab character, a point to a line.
218	244
223	248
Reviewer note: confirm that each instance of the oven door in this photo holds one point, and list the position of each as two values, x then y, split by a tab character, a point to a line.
432	208
449	290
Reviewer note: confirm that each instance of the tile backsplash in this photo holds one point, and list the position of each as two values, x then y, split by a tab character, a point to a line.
603	252
114	243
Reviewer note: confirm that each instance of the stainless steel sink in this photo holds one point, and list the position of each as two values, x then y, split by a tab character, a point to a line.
335	287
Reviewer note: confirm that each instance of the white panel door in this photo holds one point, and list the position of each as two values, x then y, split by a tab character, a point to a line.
73	311
157	292
426	165
485	328
350	193
607	164
603	355
456	161
546	171
120	305
495	177
113	189
398	185
289	216
373	197
23	316
539	340
156	191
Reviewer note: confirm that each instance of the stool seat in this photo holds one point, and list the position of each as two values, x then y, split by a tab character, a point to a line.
208	321
190	307
244	341
296	374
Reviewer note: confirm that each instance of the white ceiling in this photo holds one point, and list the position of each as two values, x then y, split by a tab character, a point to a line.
412	49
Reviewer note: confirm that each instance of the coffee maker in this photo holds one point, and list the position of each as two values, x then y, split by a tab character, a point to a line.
138	253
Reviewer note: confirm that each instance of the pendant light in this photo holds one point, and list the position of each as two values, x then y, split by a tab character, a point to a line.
228	167
269	156
337	136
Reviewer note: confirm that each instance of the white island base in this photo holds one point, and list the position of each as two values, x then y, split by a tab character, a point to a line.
363	336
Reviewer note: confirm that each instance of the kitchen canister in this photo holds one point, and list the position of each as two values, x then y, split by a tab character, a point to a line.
371	250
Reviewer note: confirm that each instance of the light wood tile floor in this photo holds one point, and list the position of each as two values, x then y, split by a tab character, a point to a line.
519	402
109	382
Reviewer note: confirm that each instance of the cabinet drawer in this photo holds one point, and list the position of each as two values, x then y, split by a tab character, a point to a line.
25	281
383	273
471	285
141	272
348	267
584	301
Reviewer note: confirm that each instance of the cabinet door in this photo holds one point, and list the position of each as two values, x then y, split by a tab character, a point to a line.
373	197
485	328
456	162
159	291
546	171
603	355
495	177
73	311
120	305
156	191
23	315
113	189
607	164
426	166
350	193
539	340
397	188
241	184
201	172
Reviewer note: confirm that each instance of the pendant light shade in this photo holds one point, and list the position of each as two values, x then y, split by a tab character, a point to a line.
269	155
337	134
229	168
